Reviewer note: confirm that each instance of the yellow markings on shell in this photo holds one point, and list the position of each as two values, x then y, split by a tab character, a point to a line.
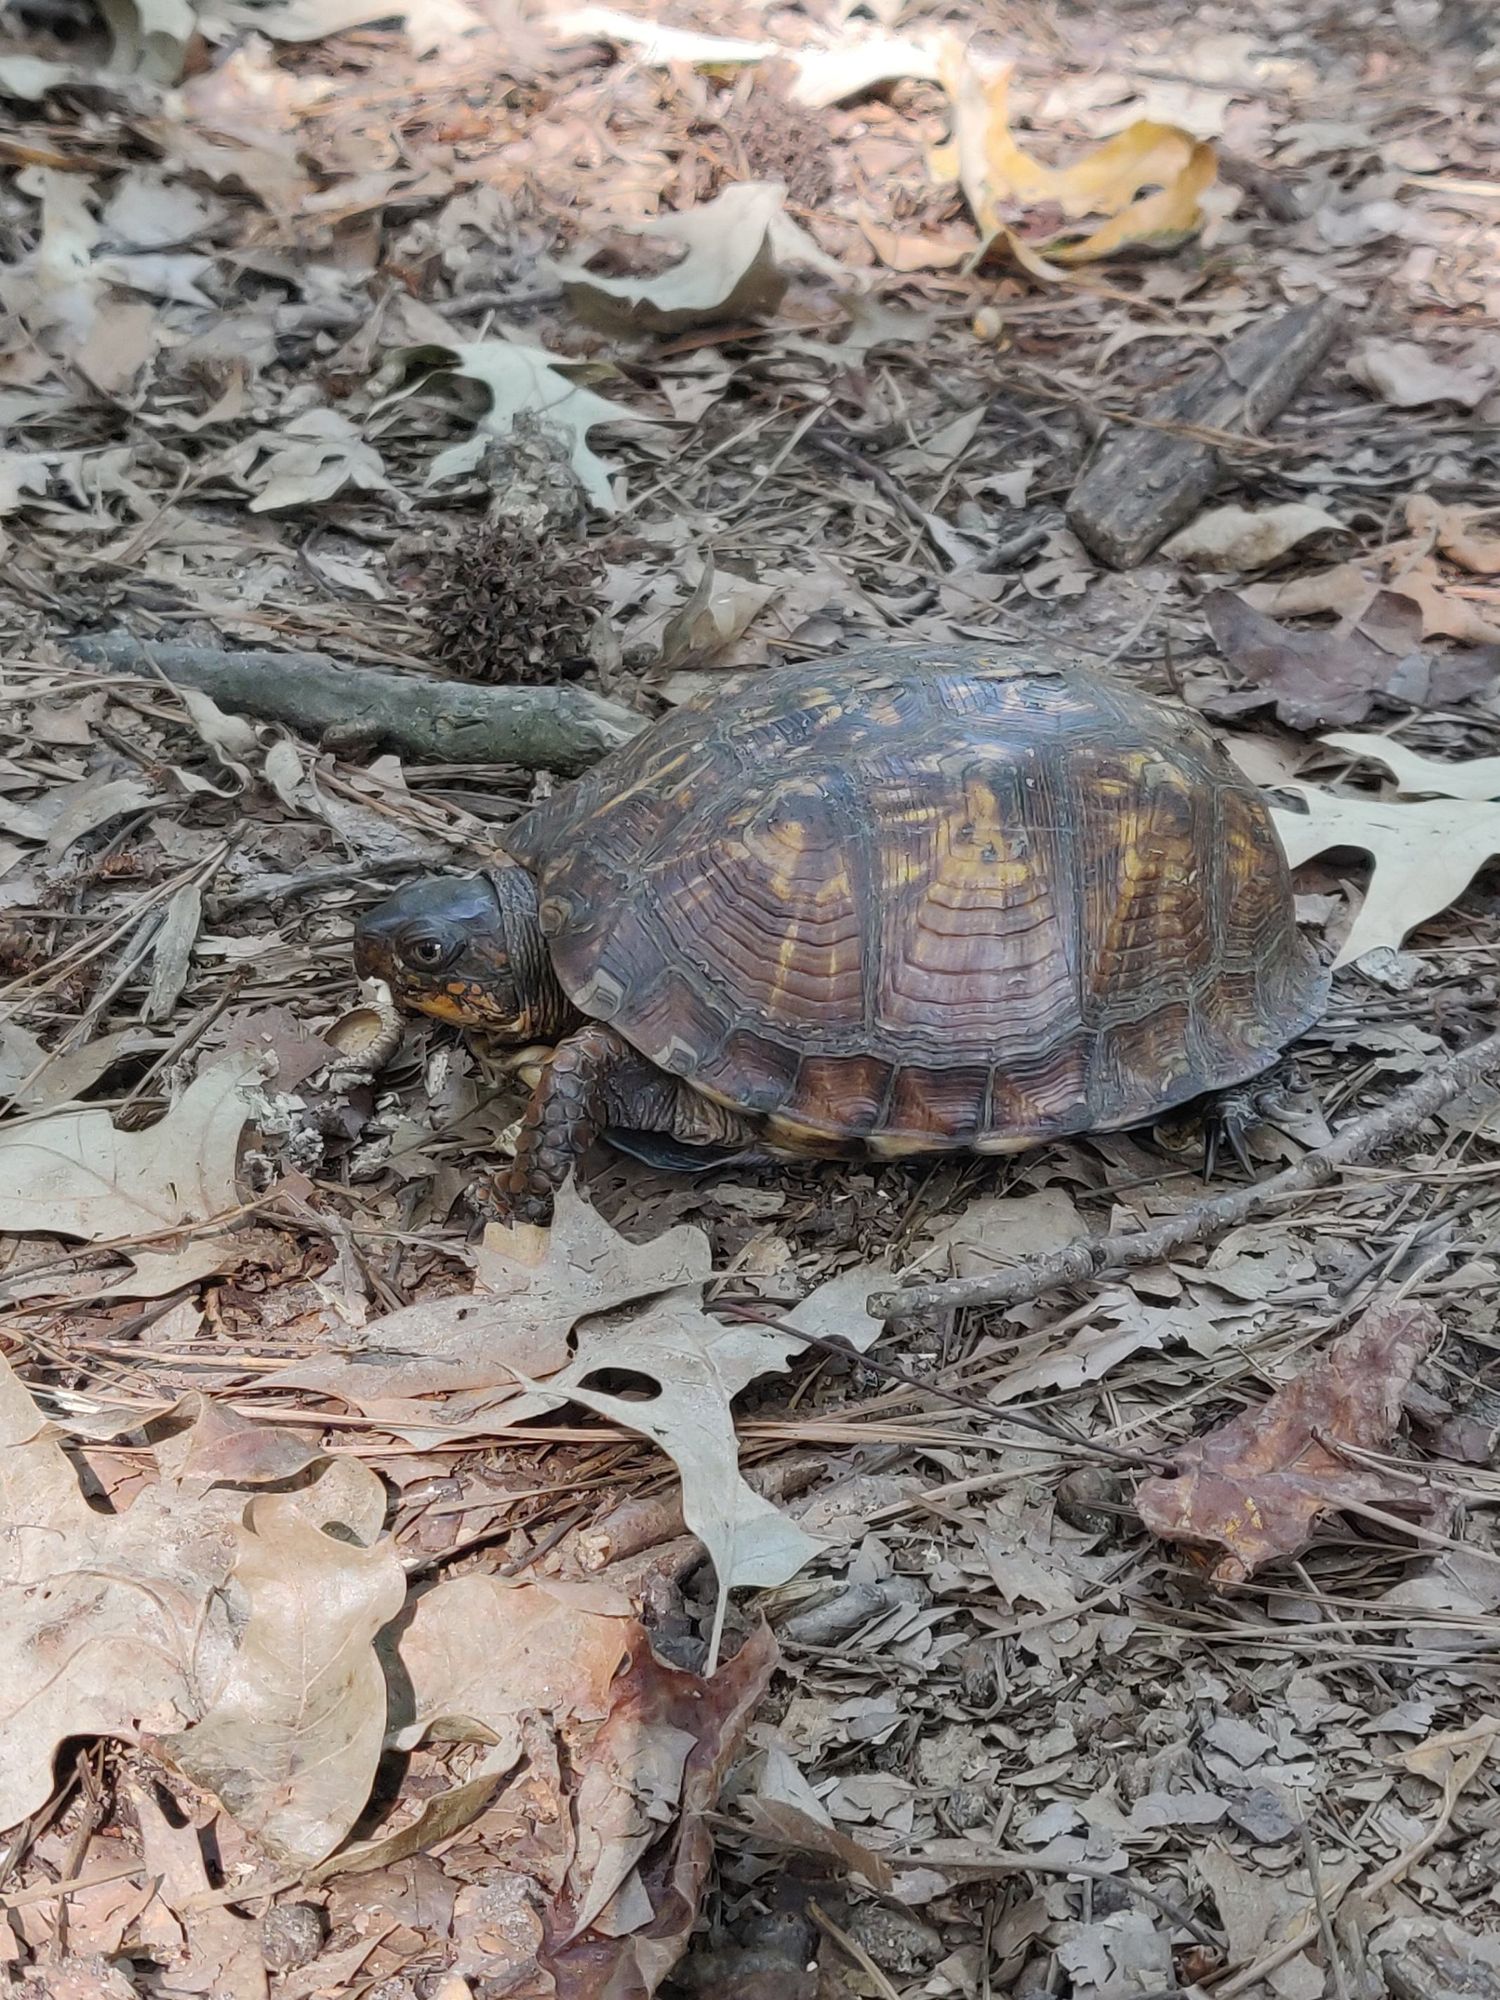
896	1146
1005	1142
653	778
796	1140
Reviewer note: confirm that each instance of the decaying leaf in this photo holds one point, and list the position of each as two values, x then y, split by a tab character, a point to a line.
292	1739
1451	530
1406	376
1000	181
632	1756
481	1652
1249	537
1347	590
1317	677
1424	855
73	1173
669	1738
720	608
1256	1486
735	250
317	456
523	381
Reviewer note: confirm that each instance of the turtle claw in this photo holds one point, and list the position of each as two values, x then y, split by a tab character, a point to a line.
1231	1119
493	1200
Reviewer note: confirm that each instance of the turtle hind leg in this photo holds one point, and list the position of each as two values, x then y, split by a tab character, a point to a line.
596	1082
671	1155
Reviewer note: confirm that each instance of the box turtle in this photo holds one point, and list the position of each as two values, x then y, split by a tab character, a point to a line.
916	899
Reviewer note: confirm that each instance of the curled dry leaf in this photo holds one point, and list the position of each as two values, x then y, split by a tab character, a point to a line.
734	249
35	1079
851	67
150	36
56	287
1249	537
1317	677
999	180
721	607
1424	855
1256	1486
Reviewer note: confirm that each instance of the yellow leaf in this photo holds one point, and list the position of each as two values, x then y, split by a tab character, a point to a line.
998	176
1161	220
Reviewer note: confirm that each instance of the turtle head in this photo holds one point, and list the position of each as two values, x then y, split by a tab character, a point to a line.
467	949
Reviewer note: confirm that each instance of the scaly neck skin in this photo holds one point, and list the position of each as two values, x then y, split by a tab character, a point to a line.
548	1013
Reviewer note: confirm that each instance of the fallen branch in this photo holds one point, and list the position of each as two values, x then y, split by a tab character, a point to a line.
1150	479
541	728
1092	1257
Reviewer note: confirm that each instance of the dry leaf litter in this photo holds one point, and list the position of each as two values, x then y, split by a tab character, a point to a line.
384	1612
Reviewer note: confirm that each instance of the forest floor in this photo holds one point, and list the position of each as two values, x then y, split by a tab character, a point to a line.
355	1641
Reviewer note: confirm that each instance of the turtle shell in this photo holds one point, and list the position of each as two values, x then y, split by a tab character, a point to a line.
927	897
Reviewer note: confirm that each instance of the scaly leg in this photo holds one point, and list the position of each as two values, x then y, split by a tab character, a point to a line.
596	1081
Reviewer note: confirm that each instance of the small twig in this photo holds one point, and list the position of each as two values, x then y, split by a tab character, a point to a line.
1003	1862
1325	1915
883	482
46	1892
843	1350
1129	1250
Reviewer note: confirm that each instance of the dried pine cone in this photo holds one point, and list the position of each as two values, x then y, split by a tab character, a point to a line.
511	607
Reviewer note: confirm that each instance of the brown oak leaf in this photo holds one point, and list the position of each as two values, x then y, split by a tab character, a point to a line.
1255	1486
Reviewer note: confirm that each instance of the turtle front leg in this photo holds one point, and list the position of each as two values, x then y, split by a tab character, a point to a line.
596	1082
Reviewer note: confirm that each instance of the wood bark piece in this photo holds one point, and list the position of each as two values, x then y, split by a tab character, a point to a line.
1421	1963
541	728
1150	479
1092	1257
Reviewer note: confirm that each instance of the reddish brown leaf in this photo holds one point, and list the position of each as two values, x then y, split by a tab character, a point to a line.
1255	1486
654	1703
1322	677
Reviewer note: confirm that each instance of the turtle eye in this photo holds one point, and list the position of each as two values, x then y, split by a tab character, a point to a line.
428	953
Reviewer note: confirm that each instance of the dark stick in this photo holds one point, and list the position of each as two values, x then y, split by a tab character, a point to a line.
1150	479
1090	1257
541	728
